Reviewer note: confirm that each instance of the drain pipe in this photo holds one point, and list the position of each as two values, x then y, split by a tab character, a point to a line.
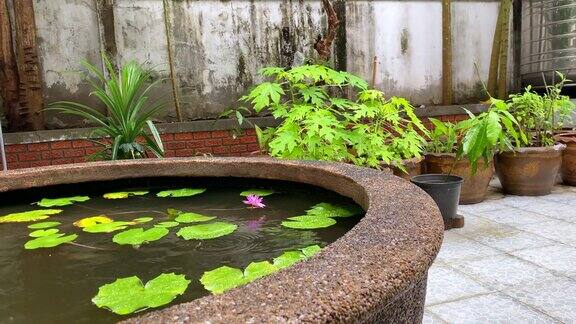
3	151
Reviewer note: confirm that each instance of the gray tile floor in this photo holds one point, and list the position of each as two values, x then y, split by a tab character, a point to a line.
513	262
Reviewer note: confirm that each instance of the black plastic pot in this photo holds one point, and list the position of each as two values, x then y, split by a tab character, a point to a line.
445	190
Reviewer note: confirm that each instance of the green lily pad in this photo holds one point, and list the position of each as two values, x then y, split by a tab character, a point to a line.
329	210
49	241
139	236
58	202
171	212
128	295
257	270
257	192
206	231
44	225
288	258
179	193
29	216
107	227
167	224
308	222
124	194
222	279
94	220
192	218
311	250
43	232
143	220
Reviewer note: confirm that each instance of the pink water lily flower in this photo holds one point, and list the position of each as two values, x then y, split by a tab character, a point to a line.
254	201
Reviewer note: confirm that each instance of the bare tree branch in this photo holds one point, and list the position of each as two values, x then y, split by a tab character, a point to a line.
324	44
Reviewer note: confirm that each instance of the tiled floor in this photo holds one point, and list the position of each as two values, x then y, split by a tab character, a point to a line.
513	262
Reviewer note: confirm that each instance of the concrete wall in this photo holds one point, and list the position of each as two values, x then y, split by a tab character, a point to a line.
218	46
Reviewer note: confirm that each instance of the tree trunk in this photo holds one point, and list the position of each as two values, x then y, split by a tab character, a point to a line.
324	44
446	52
8	69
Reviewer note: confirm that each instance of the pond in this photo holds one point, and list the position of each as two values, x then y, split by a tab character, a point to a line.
57	284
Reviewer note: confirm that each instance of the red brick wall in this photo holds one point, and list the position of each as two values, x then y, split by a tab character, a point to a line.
217	143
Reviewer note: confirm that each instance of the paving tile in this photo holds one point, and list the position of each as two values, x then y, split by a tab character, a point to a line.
514	216
478	224
568	198
430	318
560	258
502	271
446	284
456	247
486	205
556	230
507	239
553	209
521	201
490	308
555	297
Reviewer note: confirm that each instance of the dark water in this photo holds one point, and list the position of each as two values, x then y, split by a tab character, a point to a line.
56	285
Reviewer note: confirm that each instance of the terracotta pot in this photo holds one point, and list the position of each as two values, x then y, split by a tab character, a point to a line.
529	171
568	168
413	167
475	186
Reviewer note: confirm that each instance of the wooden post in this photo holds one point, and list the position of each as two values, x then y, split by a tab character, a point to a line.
8	70
446	52
167	30
503	57
494	62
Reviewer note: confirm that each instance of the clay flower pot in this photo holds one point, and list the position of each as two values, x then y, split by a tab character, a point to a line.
413	167
529	171
475	186
568	168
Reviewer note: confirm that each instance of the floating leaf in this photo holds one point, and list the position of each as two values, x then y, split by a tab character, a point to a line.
222	279
143	220
139	236
58	202
91	221
29	216
173	212
179	193
167	224
128	295
206	231
49	241
43	232
288	258
308	222
257	192
44	225
192	218
257	270
107	227
124	194
329	210
311	250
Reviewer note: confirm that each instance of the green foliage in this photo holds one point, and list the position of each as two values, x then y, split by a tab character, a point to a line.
308	222
44	225
167	224
59	202
124	194
540	116
319	122
125	95
330	210
206	231
180	193
444	138
29	216
43	232
143	220
128	295
49	241
107	227
257	192
91	221
139	236
192	218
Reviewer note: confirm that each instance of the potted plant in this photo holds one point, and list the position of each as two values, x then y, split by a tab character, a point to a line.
531	170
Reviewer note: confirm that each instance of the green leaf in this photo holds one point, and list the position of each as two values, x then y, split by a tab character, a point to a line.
288	258
257	270
139	236
43	232
58	202
257	192
143	220
330	210
311	250
493	127
91	221
222	279
128	295
264	94
179	193
29	216
124	194
49	241
206	231
107	227
44	225
167	224
308	222
192	218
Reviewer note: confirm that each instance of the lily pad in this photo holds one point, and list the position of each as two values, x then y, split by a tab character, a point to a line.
124	194
43	232
311	250
49	241
257	270
257	192
44	225
192	218
171	212
107	227
222	279
128	295
58	202
329	210
179	193
308	222
206	231
167	224
143	220
29	216
91	221
288	258
139	236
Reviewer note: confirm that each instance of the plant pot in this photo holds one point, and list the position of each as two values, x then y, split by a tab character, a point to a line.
529	171
475	186
445	190
413	168
568	168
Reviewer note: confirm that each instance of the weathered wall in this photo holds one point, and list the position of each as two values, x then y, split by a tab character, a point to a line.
218	46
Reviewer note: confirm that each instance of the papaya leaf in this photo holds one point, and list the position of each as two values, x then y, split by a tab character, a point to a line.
91	221
179	193
167	224
128	295
206	231
58	202
308	222
44	225
124	194
257	192
29	216
43	232
192	218
139	236
49	241
107	227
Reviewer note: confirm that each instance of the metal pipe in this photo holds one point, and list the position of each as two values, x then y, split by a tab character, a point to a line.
3	151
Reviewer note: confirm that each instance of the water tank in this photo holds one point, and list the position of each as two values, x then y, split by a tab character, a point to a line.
548	41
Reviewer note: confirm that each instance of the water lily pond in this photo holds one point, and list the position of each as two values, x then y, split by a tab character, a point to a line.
101	252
